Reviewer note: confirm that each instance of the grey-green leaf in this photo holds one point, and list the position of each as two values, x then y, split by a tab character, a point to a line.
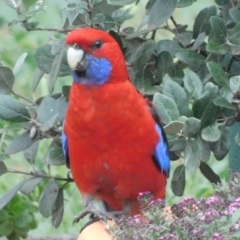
219	28
29	186
48	198
219	76
202	21
166	108
173	127
9	195
55	155
143	53
58	209
178	181
209	173
19	63
192	83
204	108
47	113
6	80
12	110
211	133
31	152
20	143
165	65
160	12
221	147
168	45
192	155
191	127
190	57
235	83
174	91
222	102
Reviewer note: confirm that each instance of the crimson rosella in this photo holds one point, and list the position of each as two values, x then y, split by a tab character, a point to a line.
112	136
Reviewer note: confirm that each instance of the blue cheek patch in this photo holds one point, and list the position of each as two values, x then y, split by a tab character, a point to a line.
98	71
161	154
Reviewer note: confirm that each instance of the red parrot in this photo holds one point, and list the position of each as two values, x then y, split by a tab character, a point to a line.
112	136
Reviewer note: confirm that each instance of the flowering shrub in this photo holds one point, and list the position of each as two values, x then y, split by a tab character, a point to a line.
216	217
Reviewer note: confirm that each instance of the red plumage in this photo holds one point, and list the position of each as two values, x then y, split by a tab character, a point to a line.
111	132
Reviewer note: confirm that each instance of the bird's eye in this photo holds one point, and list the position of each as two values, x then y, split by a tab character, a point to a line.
97	44
75	46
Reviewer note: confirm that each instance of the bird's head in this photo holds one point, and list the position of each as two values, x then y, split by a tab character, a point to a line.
95	57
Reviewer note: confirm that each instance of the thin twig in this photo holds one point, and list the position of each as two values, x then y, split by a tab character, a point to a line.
48	29
34	174
23	97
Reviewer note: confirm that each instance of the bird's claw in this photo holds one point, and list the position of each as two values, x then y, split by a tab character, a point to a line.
93	213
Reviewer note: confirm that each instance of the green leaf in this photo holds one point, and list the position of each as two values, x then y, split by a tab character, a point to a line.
222	146
44	60
48	198
191	127
204	149
234	40
165	65
202	21
9	195
204	108
58	209
6	80
174	91
19	63
192	83
30	184
12	110
55	155
36	79
199	41
55	70
219	28
143	81
222	102
4	216
6	228
160	12
184	38
120	2
166	108
173	127
178	181
235	14
120	15
208	173
211	133
47	113
235	83
168	45
185	3
177	145
31	152
189	57
3	168
61	108
192	155
219	76
214	46
20	143
227	93
143	53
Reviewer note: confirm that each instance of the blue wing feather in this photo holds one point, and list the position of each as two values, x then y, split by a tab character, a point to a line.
65	148
161	155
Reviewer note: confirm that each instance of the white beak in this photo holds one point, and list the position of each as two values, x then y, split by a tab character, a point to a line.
74	57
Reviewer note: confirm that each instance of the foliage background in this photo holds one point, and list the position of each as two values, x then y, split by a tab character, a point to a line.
14	41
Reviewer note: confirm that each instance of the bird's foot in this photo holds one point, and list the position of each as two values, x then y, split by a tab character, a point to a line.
103	216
